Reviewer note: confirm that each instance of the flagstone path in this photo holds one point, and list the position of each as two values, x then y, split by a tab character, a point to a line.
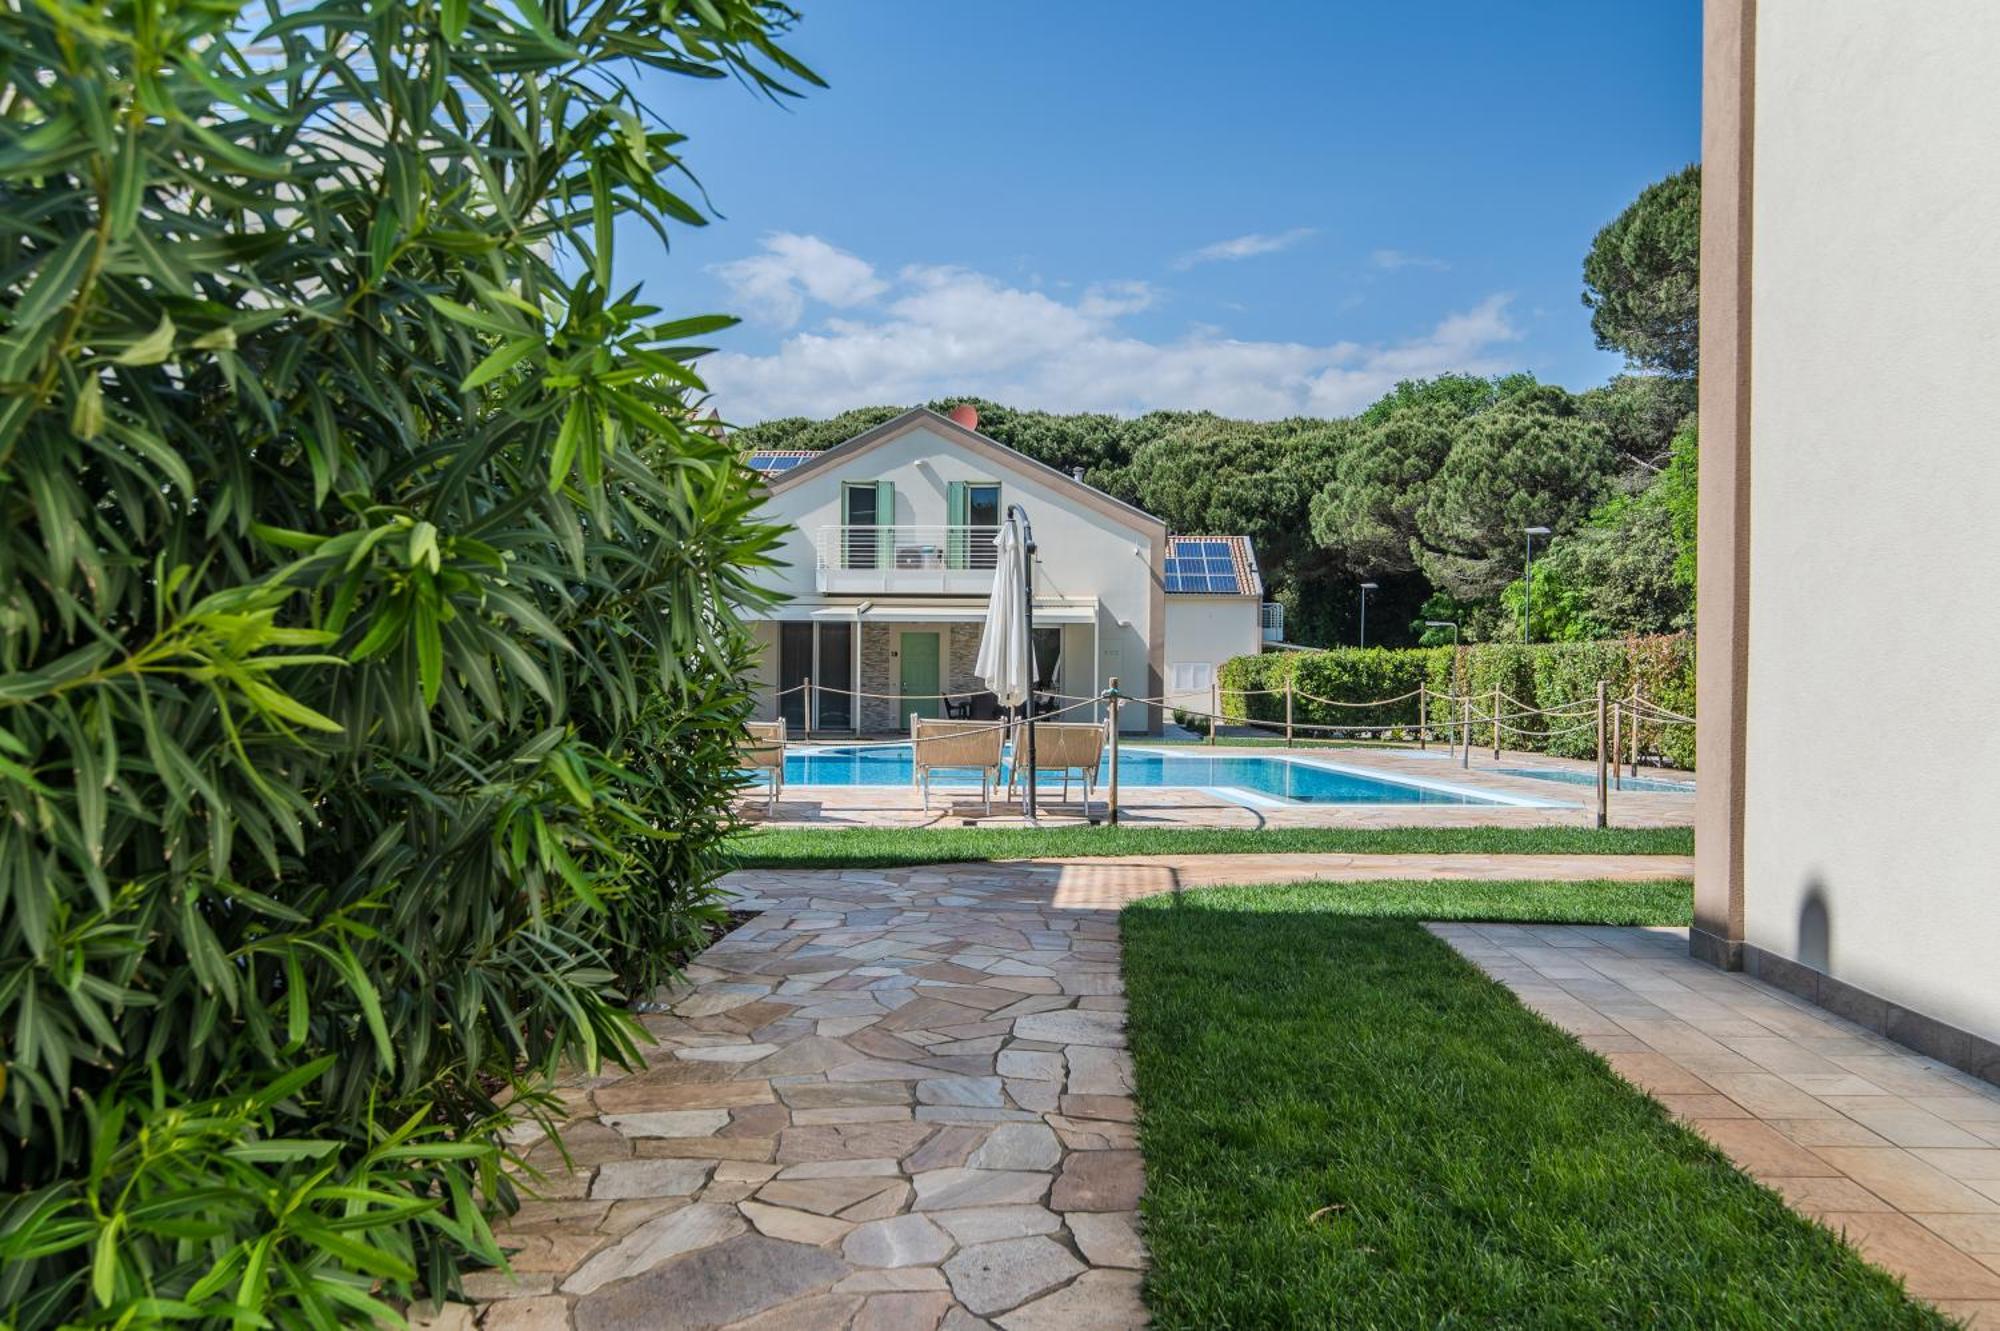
894	1099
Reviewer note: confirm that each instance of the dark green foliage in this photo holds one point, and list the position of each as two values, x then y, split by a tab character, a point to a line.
1640	415
1208	476
1508	469
1546	676
1346	1124
1456	394
1618	574
368	651
1642	277
1342	675
1367	513
882	847
800	432
1444	481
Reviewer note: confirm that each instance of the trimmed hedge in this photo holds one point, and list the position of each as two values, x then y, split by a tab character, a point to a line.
1547	676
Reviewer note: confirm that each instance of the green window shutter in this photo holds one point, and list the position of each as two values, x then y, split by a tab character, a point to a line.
958	508
885	524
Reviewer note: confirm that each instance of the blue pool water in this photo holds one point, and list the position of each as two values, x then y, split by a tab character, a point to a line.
1274	777
1570	778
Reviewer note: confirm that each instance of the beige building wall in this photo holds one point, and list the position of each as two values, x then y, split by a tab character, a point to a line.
1206	631
1870	783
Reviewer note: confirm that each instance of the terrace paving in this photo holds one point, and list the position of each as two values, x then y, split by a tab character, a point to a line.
894	1099
1898	1152
900	1098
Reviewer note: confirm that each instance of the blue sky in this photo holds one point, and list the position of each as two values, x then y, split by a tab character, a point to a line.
1262	210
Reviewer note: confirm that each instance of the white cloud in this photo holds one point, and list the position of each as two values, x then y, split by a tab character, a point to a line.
772	287
1243	247
1396	260
936	331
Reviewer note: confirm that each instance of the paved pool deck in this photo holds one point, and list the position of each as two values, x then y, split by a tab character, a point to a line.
1559	804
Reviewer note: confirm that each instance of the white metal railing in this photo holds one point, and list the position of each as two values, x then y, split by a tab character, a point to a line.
1274	622
909	558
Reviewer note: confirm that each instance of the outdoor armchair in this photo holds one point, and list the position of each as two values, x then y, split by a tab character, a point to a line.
762	749
1062	746
955	745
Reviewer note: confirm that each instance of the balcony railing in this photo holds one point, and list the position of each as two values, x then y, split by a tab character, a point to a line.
906	559
1274	622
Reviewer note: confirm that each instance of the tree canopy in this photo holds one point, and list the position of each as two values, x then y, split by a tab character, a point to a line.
1642	278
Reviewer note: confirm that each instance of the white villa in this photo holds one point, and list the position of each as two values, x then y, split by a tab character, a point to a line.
890	553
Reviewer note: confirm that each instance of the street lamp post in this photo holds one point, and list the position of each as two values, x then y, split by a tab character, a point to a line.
1366	588
1451	624
1528	584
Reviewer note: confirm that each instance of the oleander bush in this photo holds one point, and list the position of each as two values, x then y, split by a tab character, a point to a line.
370	651
1558	676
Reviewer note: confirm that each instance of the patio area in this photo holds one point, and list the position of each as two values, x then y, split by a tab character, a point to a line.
1561	804
894	1099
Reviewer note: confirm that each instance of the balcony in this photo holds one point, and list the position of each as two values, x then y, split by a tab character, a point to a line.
954	560
1274	622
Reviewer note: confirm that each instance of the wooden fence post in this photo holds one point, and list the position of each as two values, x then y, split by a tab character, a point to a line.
1465	734
1496	723
810	709
1603	795
1214	708
1288	713
1423	712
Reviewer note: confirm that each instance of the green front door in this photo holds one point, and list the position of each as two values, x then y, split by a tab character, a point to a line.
920	675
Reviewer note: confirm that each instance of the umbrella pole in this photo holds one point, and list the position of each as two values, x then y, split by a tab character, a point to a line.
1015	512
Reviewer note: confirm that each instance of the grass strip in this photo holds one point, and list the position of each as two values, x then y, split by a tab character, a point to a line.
1346	1124
889	847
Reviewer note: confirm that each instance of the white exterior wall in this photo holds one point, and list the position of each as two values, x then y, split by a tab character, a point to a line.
1872	778
1083	552
1208	630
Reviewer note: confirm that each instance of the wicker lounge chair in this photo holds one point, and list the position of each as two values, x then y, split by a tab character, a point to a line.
1062	746
957	745
762	749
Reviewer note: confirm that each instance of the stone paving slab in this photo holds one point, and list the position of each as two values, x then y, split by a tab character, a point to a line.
894	1099
1897	1152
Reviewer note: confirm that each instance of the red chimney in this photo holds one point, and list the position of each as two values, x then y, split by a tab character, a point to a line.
965	414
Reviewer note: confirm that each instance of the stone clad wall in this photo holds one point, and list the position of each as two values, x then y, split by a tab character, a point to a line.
878	675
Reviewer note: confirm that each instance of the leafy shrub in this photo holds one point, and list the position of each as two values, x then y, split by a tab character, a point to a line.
369	650
1545	676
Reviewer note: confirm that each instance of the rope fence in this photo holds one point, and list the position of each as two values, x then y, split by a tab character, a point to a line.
1618	744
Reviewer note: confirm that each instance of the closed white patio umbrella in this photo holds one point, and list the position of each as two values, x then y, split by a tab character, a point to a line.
1006	660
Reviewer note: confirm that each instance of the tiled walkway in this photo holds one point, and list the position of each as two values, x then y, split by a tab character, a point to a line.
895	1099
1898	1151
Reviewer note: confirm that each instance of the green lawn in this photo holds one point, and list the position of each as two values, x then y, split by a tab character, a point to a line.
887	847
1344	1124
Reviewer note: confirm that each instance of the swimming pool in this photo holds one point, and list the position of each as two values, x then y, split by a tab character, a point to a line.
1572	778
1257	776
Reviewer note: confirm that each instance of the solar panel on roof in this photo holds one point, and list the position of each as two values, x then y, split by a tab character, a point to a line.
773	461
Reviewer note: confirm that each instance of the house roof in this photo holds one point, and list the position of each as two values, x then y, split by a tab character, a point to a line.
770	461
1211	566
976	442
